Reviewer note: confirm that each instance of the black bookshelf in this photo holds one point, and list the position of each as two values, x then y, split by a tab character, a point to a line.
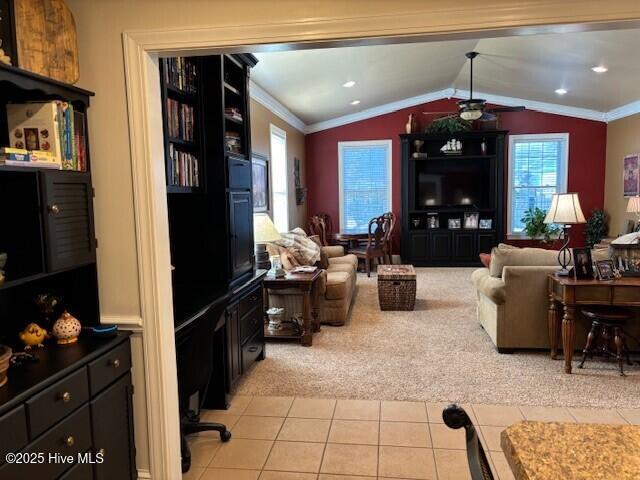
427	239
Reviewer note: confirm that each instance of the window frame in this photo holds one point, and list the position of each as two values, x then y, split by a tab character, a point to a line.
364	143
563	174
279	132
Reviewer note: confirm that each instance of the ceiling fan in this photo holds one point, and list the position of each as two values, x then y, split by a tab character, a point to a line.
476	108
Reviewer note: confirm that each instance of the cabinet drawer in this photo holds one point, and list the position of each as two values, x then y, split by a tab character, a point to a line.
56	402
239	173
251	351
81	471
68	438
15	422
251	323
109	367
250	301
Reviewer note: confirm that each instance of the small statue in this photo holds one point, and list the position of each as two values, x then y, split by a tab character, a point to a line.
4	58
33	336
67	329
47	305
411	123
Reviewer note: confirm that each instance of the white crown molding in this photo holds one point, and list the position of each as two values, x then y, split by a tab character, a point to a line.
274	106
380	110
624	111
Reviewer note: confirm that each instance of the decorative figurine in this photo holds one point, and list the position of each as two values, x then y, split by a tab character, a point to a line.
4	58
47	305
33	336
452	147
67	329
275	319
411	122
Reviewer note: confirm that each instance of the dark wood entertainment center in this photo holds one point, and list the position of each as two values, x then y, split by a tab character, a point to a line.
430	191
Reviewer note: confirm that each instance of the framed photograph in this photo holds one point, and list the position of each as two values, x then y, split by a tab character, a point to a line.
605	269
433	221
583	265
486	224
631	175
260	178
471	220
454	223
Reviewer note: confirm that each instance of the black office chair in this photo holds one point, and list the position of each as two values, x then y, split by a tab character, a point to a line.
455	417
194	352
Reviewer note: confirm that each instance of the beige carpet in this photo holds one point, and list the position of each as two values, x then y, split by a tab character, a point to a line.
437	353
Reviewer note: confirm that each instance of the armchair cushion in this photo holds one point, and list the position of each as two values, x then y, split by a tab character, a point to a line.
338	285
491	287
334	251
346	259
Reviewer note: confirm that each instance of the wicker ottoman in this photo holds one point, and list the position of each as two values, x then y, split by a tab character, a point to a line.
396	287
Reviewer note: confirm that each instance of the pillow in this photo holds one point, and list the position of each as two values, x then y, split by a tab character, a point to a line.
508	255
287	258
485	259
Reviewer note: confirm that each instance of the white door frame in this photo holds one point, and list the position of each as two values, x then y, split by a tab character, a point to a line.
141	51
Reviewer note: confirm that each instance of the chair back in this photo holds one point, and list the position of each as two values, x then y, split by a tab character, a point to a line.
320	224
391	227
378	229
455	417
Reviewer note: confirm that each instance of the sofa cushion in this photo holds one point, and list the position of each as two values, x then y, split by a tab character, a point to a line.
507	255
338	285
341	267
346	259
333	251
491	287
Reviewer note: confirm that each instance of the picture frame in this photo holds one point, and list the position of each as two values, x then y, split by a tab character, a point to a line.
631	175
260	182
583	264
471	220
433	221
486	223
605	269
454	223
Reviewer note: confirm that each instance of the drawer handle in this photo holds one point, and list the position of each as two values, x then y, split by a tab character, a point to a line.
114	363
65	397
253	349
55	209
253	298
70	441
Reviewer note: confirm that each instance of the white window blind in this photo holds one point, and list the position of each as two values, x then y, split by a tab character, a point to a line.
365	183
537	170
280	191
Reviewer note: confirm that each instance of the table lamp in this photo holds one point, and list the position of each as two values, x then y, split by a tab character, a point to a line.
634	206
264	231
565	210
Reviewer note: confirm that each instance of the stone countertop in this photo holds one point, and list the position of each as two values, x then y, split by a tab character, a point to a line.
572	451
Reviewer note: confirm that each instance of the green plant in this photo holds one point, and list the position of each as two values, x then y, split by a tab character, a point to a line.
450	124
535	227
597	227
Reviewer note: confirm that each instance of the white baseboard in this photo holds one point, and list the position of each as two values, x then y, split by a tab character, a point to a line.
144	474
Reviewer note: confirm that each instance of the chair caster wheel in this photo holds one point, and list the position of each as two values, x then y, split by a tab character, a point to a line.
225	436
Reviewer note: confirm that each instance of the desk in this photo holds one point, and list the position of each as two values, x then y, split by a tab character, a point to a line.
572	451
571	294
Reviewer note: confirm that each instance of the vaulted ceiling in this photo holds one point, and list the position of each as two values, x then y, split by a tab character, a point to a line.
309	82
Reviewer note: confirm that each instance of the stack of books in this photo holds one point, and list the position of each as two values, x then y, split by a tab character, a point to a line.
183	168
54	128
19	157
233	142
234	113
180	120
181	73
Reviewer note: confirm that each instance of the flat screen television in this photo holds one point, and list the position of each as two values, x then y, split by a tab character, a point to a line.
453	182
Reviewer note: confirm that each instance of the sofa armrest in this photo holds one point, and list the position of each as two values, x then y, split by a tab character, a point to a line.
333	251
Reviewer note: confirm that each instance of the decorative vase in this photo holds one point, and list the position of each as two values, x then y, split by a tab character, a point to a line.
275	319
410	125
67	329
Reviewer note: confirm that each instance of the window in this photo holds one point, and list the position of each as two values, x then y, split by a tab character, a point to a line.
364	182
279	177
537	170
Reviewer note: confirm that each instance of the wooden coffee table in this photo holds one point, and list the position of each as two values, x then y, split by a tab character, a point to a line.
303	282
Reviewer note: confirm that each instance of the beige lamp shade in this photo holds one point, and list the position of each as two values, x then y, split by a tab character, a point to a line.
634	205
264	231
565	209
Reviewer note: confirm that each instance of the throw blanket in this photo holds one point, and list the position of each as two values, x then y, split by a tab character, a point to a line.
305	250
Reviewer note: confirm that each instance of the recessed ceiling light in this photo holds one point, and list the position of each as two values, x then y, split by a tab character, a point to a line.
349	84
355	102
561	91
600	69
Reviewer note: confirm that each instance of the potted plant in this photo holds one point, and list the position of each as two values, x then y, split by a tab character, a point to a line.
597	227
535	227
450	124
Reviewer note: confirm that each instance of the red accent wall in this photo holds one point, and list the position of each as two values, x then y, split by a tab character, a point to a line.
587	155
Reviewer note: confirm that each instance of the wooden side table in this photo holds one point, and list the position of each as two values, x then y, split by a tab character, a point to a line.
571	293
303	282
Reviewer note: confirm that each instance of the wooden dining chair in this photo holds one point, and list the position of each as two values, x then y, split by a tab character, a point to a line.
455	417
389	235
320	224
376	246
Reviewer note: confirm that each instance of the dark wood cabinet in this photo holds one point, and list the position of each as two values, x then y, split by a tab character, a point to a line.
440	246
241	233
420	245
234	361
464	246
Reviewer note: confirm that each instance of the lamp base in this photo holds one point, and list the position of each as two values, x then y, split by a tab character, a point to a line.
563	272
262	257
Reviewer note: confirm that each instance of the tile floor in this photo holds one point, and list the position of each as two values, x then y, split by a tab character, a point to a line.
286	438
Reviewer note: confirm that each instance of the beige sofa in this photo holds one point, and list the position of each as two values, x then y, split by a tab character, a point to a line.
334	291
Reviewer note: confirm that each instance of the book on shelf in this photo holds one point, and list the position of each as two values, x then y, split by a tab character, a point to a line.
180	120
53	127
234	113
18	157
183	168
181	73
233	142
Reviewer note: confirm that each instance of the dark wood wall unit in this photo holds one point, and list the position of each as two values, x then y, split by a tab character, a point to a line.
444	246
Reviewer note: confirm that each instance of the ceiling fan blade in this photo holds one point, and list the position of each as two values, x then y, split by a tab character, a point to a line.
506	109
488	117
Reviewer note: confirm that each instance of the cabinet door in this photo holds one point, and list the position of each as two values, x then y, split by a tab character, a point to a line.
486	241
440	246
420	246
234	355
241	232
112	424
464	246
68	219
